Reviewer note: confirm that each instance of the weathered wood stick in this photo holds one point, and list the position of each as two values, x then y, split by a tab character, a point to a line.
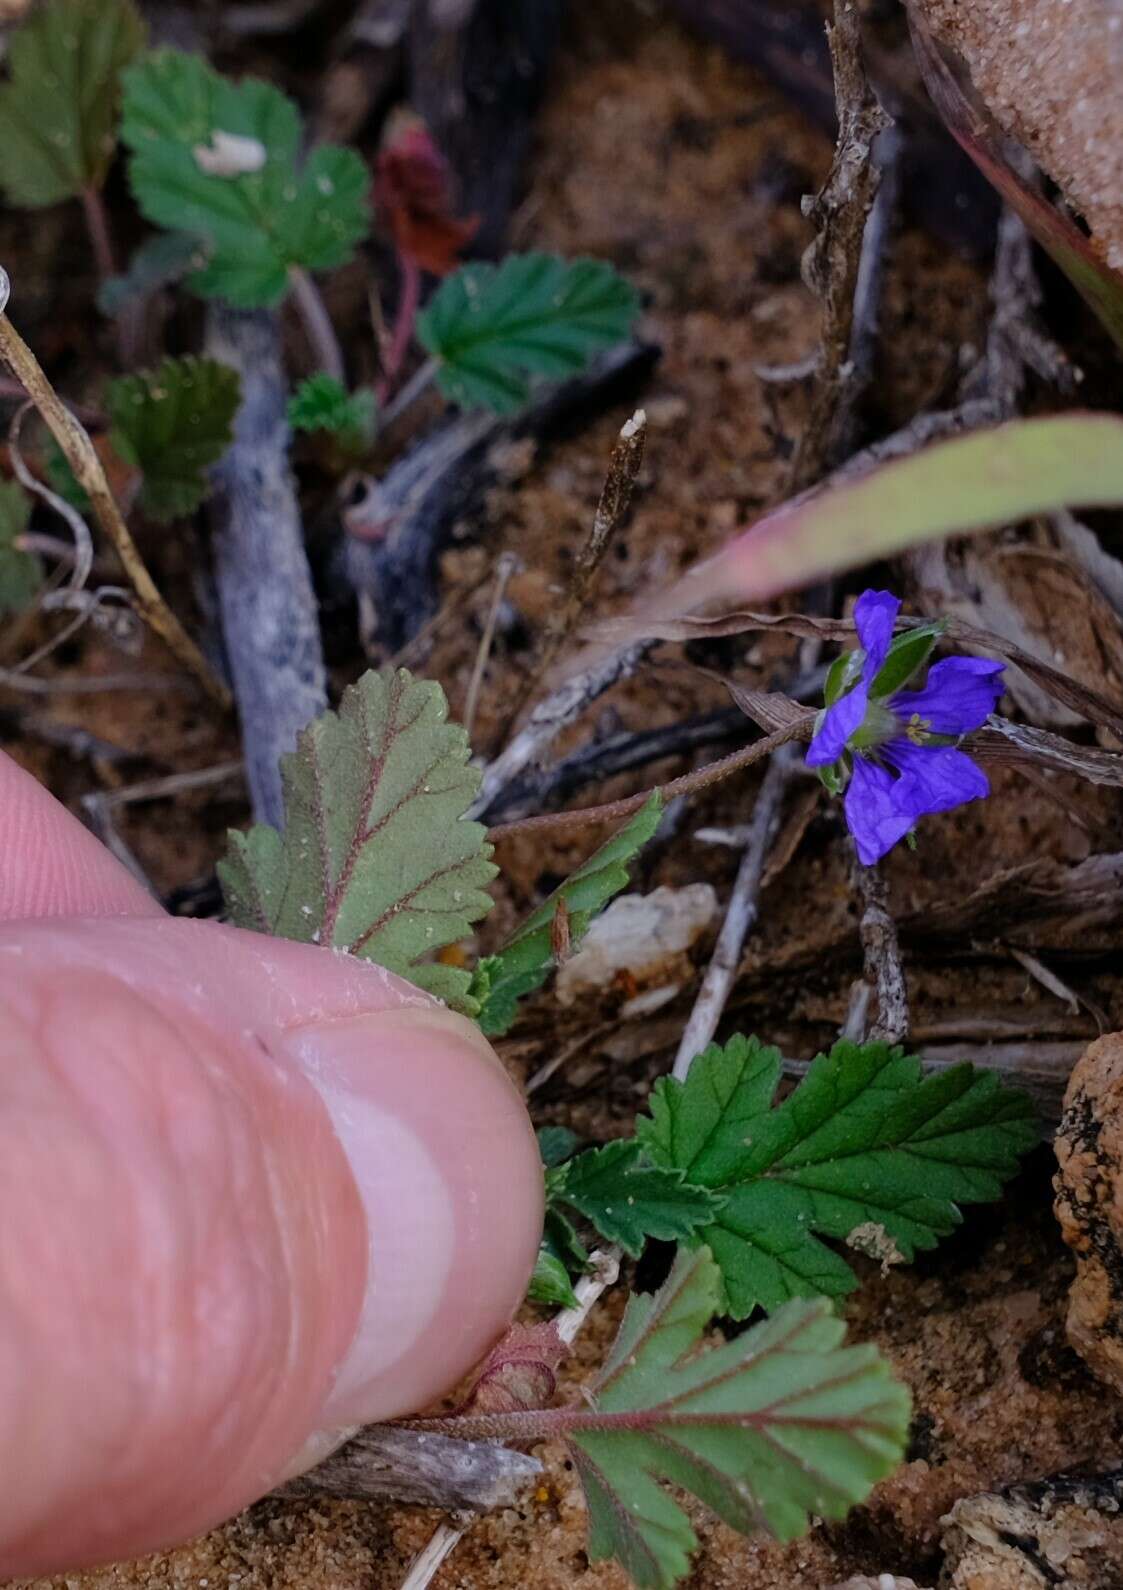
270	620
382	1463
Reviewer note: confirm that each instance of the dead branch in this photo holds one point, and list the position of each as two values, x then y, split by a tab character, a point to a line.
832	265
878	933
623	472
740	914
270	619
381	1463
87	470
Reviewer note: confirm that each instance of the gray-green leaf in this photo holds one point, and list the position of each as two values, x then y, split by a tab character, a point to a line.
220	159
58	109
769	1430
377	857
172	424
493	327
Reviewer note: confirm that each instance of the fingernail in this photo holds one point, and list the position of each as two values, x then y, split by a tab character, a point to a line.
446	1164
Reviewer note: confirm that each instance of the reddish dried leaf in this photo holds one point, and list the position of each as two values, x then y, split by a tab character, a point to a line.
518	1373
412	193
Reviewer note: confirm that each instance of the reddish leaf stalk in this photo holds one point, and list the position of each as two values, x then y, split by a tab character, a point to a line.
402	334
97	225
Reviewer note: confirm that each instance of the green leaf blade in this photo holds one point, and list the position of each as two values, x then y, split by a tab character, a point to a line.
494	327
261	214
865	1142
522	964
58	108
783	1424
172	424
629	1202
377	857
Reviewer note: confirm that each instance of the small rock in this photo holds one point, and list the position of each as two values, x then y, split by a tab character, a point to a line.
1089	1205
646	936
1065	1532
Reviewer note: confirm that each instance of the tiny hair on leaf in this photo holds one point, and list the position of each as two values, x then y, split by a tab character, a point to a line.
377	856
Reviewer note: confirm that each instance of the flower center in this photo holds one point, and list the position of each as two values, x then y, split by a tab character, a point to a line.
916	729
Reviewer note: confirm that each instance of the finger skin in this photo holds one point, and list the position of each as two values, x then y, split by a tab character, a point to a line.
194	1276
176	1284
50	865
252	1191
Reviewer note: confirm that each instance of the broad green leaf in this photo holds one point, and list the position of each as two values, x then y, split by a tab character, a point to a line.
377	857
629	1202
865	1145
321	403
522	964
907	653
58	109
493	327
172	424
975	482
20	573
164	258
782	1425
221	160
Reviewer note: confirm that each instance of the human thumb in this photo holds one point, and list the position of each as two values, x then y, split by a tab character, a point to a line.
251	1192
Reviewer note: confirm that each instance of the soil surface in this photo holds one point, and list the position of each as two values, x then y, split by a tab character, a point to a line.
656	151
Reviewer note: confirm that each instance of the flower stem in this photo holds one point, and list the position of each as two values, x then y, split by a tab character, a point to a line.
317	323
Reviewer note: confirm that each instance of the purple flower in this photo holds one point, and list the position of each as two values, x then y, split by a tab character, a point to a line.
895	749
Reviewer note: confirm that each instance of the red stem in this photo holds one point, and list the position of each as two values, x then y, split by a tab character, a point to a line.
402	334
97	225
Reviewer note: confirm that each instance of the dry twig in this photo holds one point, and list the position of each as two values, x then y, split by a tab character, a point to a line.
88	472
884	971
505	566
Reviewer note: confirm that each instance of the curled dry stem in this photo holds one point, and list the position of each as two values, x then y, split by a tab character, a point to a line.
90	475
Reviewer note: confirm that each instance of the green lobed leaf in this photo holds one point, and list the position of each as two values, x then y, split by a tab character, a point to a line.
781	1425
865	1141
377	857
627	1201
58	108
161	260
173	423
321	403
261	212
523	962
20	572
493	327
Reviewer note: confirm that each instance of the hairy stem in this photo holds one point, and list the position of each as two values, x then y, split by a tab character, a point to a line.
86	466
317	324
